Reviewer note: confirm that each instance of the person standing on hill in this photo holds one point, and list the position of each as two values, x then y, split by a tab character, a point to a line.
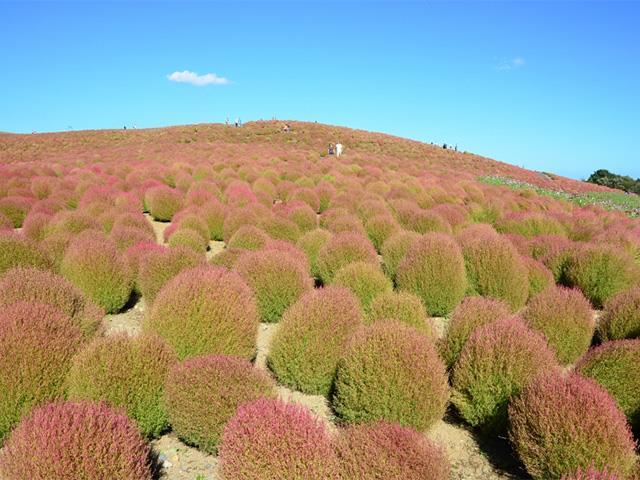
338	149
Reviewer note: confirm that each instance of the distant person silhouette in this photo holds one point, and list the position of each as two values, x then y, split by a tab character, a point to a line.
338	149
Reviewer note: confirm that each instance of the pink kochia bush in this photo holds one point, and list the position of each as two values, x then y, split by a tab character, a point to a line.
342	249
70	441
433	269
37	343
312	337
269	439
392	372
395	248
496	362
621	316
564	317
591	474
276	278
163	202
30	284
94	266
203	393
206	310
383	450
562	423
16	251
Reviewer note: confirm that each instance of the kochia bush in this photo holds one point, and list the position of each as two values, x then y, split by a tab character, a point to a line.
269	439
562	423
128	373
75	440
37	343
497	361
386	450
591	474
18	251
365	280
342	249
311	243
312	337
621	316
203	393
403	306
392	372
163	202
380	228
433	269
248	237
205	310
395	248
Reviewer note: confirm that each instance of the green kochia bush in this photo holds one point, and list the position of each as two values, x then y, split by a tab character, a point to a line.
342	249
189	238
18	251
471	314
311	243
37	343
602	271
92	263
206	310
203	393
621	316
249	237
562	423
433	269
564	317
392	372
615	366
276	278
395	248
127	372
365	280
71	441
382	450
30	284
269	439
497	361
403	306
312	337
163	202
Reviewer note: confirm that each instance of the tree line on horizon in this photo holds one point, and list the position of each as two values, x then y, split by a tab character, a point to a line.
612	180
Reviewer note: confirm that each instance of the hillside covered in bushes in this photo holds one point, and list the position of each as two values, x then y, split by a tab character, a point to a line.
400	311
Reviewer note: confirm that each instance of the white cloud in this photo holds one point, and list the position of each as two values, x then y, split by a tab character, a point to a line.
512	64
199	80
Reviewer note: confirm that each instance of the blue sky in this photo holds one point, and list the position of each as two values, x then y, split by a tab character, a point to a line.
545	85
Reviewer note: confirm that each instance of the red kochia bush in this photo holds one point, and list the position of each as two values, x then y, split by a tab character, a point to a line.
342	249
277	280
395	248
70	441
562	423
392	372
206	310
30	284
37	343
18	251
621	317
163	202
383	450
269	439
591	474
34	226
203	393
564	317
433	269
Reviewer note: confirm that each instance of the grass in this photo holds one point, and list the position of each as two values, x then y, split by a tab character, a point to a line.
625	202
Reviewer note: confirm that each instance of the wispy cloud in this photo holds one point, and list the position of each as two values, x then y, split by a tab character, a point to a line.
513	64
193	78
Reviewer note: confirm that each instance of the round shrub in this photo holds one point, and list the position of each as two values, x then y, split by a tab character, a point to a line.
614	365
227	258
311	243
134	256
281	228
205	310
494	267
472	313
554	251
562	423
380	228
268	438
531	225
564	317
92	263
277	280
342	249
29	284
189	219
75	440
433	269
392	372
213	213
18	251
386	450
497	361
162	202
237	218
35	226
248	237
158	267
71	222
125	237
621	316
403	306
128	373
188	238
590	474
365	280
37	343
540	277
602	271
312	337
304	217
395	248
203	393
15	209
5	223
